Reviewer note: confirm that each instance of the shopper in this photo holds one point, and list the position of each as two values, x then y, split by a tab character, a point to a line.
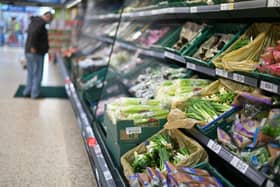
35	48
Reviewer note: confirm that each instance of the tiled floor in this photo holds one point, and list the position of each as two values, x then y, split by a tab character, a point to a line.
40	142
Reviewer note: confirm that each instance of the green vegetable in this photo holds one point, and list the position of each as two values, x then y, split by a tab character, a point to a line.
204	110
240	43
163	156
160	148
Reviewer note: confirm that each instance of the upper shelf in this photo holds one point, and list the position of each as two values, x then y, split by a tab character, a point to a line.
196	11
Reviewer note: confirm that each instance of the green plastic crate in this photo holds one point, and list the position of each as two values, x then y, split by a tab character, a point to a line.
227	28
206	166
125	131
206	32
117	150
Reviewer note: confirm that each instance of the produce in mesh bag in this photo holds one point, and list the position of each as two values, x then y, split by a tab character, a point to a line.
189	32
212	46
141	111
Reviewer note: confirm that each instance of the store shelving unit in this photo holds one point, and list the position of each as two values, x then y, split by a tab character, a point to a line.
106	173
182	12
98	156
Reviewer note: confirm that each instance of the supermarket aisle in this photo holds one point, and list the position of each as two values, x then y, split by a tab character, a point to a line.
40	142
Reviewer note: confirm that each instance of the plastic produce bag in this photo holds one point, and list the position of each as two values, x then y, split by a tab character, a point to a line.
197	153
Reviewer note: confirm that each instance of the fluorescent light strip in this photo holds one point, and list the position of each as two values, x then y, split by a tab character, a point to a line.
73	3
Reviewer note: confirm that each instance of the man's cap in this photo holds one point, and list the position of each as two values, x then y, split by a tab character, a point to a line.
45	10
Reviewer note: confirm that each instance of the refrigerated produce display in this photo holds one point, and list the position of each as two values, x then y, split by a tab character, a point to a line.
179	93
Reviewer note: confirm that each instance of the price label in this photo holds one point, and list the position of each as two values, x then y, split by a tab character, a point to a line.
273	3
221	73
194	9
239	78
191	66
107	175
172	10
269	183
133	130
97	150
227	6
239	164
174	57
214	146
154	12
269	87
169	55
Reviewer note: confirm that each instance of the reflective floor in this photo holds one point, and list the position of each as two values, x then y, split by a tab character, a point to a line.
40	142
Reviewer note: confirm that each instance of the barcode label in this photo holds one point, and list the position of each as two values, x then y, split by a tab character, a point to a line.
273	3
239	164
191	66
221	73
133	130
214	146
239	78
269	87
107	175
227	6
194	9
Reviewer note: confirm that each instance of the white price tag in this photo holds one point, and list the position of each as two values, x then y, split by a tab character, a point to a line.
174	57
221	73
172	10
269	183
133	130
194	9
154	12
239	164
227	6
191	66
214	146
107	175
97	150
169	55
269	87
239	78
273	3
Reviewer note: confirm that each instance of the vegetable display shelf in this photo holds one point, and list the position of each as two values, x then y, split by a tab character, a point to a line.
163	13
241	78
105	172
243	168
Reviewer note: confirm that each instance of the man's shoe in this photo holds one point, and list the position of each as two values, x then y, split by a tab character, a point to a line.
26	94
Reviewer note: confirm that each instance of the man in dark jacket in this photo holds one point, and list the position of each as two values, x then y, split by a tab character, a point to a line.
35	49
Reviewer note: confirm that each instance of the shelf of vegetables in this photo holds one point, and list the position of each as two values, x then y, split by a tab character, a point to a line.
229	131
179	9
